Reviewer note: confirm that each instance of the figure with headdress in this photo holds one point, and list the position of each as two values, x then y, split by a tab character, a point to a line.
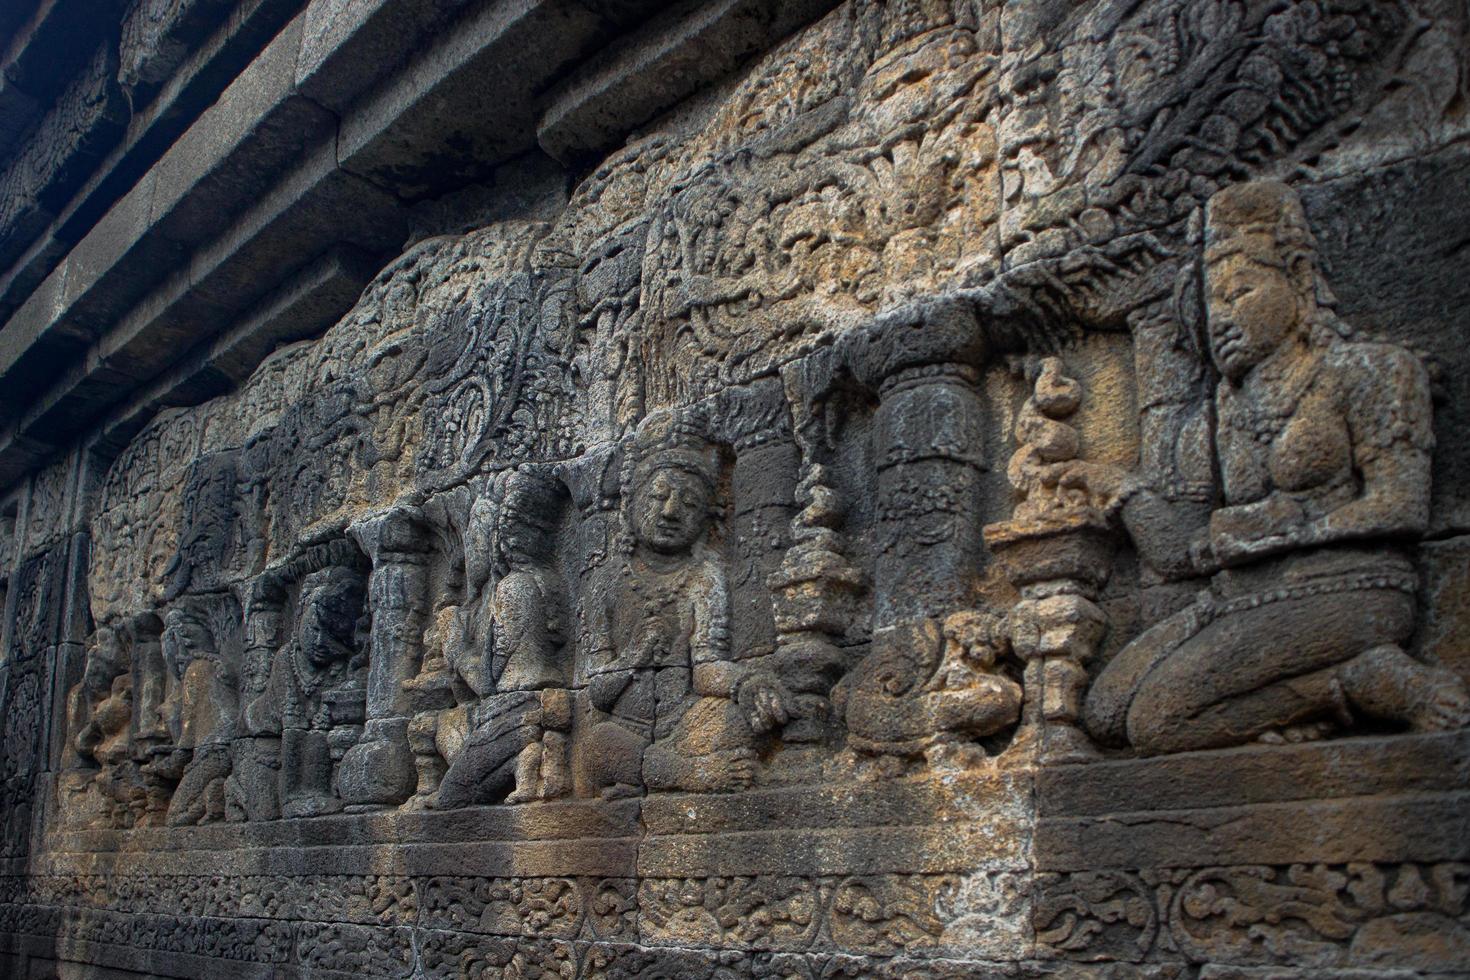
666	696
201	714
92	705
1323	446
99	709
510	652
314	698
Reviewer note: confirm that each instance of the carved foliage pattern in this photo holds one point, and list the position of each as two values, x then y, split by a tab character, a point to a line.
1364	916
1322	916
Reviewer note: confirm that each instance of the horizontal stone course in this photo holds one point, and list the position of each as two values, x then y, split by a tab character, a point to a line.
884	489
1249	775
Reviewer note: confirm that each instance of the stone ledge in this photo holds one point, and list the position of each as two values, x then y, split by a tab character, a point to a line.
920	849
678	52
1391	799
595	856
939	826
530	822
149	134
1253	774
955	798
956	823
50	45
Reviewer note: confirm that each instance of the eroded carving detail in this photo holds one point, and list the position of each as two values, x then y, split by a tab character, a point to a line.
1323	449
689	493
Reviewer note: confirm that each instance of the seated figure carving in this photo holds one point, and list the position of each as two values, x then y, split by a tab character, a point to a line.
517	749
201	714
670	708
314	698
140	785
99	706
1323	448
99	709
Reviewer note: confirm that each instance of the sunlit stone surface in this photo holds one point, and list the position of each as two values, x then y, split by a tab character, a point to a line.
585	489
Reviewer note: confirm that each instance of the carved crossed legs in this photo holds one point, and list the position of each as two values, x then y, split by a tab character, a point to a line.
200	796
708	750
661	736
1267	668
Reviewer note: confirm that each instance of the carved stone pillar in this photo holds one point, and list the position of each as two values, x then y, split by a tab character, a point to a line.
816	590
753	423
1055	629
928	451
379	770
150	680
764	482
1057	550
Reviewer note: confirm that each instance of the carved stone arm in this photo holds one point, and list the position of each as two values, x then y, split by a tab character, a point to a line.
1169	536
1394	502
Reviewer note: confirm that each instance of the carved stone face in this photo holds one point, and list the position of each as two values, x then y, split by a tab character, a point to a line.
518	539
670	511
104	658
185	641
317	638
1253	308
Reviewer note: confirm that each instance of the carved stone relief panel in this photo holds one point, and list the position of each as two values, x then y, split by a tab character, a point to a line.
596	536
719	577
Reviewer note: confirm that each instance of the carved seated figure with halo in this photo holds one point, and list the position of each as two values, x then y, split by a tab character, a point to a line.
670	708
1322	447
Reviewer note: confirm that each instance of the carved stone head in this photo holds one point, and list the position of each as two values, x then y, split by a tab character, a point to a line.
186	638
106	656
670	490
671	510
1260	273
330	608
527	517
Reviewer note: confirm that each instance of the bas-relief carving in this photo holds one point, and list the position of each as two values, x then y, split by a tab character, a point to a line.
1322	444
545	631
314	696
670	708
697	487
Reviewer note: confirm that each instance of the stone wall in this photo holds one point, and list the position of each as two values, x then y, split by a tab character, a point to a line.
885	488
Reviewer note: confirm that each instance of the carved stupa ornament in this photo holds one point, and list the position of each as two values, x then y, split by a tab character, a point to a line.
1057	551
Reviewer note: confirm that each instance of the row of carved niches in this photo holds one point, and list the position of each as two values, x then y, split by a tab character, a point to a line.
918	548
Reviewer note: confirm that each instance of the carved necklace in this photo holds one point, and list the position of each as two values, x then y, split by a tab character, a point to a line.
310	679
654	588
1273	401
307	681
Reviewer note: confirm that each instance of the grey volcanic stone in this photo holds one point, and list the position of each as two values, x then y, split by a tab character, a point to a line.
612	489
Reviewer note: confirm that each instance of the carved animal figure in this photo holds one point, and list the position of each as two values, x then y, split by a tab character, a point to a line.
930	690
